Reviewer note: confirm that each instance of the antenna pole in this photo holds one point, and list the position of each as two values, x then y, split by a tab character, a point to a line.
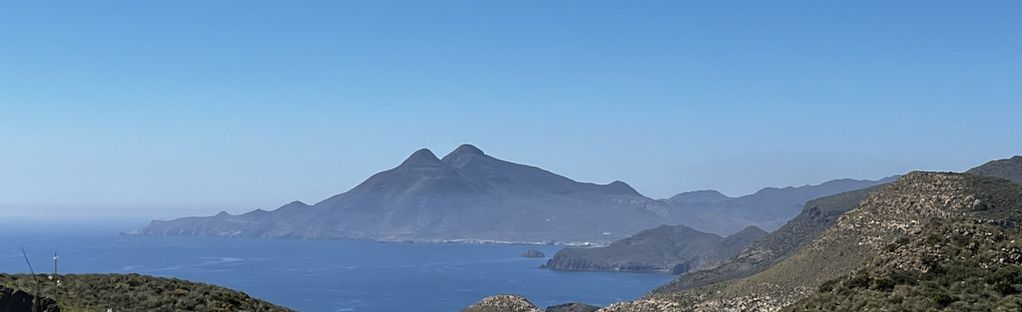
35	300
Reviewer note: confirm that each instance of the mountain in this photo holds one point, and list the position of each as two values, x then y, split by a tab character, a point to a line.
134	292
929	241
467	195
675	249
817	216
1010	169
769	208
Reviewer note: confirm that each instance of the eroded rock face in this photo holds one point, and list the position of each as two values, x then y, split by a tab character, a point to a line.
503	303
18	301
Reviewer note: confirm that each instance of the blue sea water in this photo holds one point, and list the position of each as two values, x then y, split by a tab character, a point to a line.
319	275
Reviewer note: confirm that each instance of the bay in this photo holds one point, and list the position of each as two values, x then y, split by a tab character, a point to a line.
318	275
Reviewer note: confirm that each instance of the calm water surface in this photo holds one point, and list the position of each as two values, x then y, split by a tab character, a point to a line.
319	275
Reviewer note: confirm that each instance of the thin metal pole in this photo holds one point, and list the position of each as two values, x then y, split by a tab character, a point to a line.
35	300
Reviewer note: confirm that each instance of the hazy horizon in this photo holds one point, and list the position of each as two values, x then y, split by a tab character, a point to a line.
150	109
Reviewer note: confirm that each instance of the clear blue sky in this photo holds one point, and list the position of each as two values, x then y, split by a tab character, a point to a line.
163	108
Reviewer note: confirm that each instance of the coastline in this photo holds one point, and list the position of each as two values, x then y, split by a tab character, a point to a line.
471	241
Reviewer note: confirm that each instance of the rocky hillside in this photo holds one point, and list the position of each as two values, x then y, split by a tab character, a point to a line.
515	303
468	195
675	249
133	292
503	303
926	242
817	216
1010	169
769	208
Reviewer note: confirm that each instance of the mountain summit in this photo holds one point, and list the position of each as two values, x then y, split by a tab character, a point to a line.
468	195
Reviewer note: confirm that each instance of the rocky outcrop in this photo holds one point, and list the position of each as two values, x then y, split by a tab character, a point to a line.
676	249
503	303
532	253
572	307
19	301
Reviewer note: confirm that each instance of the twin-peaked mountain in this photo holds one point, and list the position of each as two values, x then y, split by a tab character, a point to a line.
469	195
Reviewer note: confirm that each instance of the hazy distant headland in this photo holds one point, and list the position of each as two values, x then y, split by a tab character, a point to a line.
469	196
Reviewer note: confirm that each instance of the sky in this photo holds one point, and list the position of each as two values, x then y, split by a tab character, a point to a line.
171	108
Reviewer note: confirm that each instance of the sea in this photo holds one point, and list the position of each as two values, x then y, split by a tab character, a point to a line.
316	275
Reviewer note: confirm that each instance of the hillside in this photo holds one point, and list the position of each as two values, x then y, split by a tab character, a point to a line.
1010	169
467	195
769	208
927	241
675	249
133	292
817	216
967	262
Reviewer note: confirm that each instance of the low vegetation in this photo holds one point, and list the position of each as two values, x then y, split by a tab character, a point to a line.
962	266
134	292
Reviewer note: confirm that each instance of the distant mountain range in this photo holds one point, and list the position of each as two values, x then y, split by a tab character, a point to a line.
675	249
769	208
473	197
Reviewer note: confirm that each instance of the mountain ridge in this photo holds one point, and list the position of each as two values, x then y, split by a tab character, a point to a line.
468	195
768	208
